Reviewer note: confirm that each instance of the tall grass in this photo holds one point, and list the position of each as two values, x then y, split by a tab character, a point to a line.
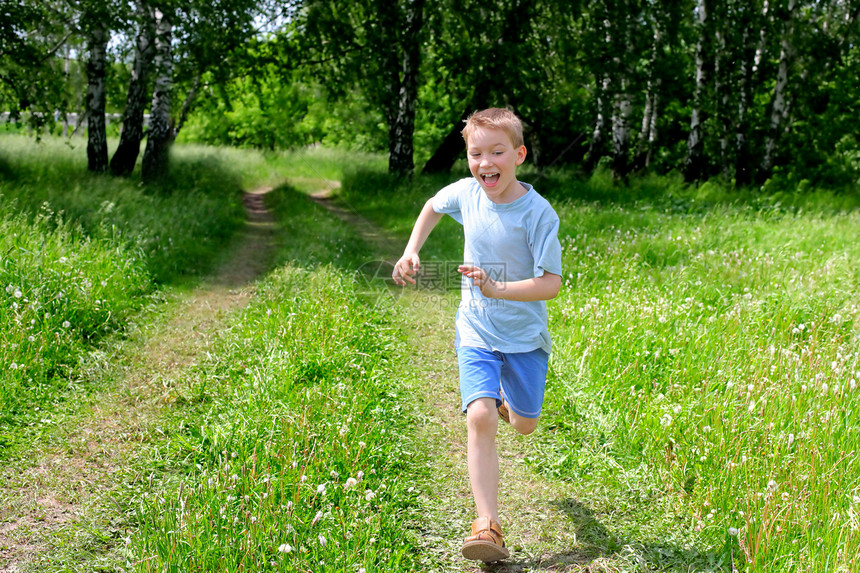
79	254
704	386
290	448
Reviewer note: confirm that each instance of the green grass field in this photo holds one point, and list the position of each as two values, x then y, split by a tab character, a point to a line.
703	396
704	384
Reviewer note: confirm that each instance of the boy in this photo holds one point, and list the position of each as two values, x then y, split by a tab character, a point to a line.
511	266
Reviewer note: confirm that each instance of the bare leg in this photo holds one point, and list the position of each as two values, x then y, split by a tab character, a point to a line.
524	426
482	421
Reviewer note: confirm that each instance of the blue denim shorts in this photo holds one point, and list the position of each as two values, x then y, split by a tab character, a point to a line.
521	377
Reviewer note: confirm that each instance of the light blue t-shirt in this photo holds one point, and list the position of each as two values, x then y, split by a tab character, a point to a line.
512	241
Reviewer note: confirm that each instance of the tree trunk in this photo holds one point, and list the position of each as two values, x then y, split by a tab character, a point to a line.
722	81
648	134
97	153
743	165
597	147
160	134
400	157
780	104
622	105
694	167
126	153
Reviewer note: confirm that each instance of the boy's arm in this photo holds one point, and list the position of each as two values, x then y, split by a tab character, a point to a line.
409	263
543	287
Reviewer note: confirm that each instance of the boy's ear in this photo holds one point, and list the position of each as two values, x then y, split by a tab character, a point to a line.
521	154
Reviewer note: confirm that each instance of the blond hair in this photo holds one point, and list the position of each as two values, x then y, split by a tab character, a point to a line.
495	118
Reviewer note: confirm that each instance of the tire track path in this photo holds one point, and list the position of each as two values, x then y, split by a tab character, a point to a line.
56	506
537	528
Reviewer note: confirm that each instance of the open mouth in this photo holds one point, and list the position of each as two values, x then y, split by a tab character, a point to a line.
490	179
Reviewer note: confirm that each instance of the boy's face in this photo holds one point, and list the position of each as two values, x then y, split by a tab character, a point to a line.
493	161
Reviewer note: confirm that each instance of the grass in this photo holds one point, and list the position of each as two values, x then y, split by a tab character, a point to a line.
80	254
703	391
290	445
290	448
702	401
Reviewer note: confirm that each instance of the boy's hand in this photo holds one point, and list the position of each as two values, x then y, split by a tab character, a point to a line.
480	278
405	269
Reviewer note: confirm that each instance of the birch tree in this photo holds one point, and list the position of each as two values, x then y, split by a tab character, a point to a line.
97	35
780	103
694	167
125	156
160	134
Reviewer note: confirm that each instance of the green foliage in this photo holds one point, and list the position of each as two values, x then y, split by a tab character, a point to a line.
204	204
79	255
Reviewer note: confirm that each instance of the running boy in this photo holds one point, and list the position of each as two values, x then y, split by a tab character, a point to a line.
511	266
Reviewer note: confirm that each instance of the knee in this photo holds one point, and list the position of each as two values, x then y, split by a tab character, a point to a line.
482	416
524	426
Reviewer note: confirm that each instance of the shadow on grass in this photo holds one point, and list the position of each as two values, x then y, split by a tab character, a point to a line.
599	550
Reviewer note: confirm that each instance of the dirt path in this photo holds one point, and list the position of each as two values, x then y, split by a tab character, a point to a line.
62	495
532	509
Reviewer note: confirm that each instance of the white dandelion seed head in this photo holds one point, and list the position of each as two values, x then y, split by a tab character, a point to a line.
317	518
66	324
772	485
350	483
360	475
369	495
285	548
321	488
334	474
733	531
322	540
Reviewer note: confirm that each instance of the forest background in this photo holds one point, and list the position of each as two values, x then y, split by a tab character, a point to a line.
752	92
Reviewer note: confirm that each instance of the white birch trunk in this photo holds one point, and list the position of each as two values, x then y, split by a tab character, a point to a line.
97	153
694	166
160	135
780	103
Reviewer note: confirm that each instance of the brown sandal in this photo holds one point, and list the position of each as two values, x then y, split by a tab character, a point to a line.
503	412
486	543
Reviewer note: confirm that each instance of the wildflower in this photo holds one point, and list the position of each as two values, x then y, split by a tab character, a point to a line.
368	495
322	540
677	409
350	483
66	324
317	518
343	430
334	474
321	489
285	548
772	485
665	420
360	475
17	294
706	430
733	531
13	366
790	439
304	478
362	445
